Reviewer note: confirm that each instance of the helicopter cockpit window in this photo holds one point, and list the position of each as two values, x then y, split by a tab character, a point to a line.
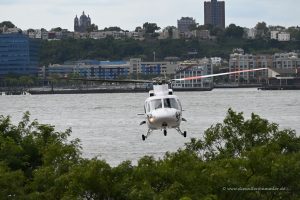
171	103
156	104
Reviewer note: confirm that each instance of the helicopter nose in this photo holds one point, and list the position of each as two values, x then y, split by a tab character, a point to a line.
165	118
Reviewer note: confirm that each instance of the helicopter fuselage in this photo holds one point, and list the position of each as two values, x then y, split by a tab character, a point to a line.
163	112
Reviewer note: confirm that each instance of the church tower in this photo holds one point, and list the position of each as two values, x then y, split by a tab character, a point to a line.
82	24
76	24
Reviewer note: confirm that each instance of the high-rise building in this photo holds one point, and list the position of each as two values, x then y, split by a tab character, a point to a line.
82	24
18	55
214	13
184	24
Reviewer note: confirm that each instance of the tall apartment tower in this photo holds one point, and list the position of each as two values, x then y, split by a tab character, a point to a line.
214	13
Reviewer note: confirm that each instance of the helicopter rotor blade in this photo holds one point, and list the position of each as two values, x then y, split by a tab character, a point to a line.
107	80
214	75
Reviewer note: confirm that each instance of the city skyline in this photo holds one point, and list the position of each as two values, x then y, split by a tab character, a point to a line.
48	14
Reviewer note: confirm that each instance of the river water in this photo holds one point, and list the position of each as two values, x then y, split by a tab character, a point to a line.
108	124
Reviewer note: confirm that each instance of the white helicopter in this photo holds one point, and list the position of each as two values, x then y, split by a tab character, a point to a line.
163	109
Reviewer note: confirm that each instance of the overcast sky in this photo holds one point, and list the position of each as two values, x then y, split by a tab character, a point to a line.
129	14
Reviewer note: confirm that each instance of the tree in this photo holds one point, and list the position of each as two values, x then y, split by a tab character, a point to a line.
113	28
295	33
30	30
57	29
36	162
150	28
234	31
8	24
250	154
92	28
138	29
262	30
37	157
170	31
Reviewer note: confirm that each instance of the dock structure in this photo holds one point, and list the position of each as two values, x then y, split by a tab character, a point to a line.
282	83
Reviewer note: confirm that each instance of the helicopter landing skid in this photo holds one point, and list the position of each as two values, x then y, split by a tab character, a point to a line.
144	137
180	132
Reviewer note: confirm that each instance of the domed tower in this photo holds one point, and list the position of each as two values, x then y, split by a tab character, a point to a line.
82	24
76	24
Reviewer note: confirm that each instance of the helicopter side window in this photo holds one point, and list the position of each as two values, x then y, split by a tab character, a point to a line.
147	107
179	104
171	103
156	104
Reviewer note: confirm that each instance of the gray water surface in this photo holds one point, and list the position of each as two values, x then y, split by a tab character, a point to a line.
108	124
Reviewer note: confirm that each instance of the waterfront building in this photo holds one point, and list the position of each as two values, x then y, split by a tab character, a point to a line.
18	55
286	60
240	61
90	69
214	13
159	68
184	26
112	69
82	24
194	68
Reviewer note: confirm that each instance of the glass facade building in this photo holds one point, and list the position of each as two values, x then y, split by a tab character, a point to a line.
18	55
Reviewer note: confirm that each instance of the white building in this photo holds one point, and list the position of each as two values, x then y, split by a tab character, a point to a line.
283	36
6	30
201	34
240	61
216	60
286	60
251	33
169	32
280	36
194	68
274	35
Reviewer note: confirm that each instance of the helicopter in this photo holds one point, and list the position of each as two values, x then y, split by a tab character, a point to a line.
163	109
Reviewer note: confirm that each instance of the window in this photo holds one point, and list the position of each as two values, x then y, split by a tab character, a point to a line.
156	104
171	103
147	107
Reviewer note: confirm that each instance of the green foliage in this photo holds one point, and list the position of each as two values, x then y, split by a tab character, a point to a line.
234	31
150	28
236	159
36	155
113	28
57	29
8	24
92	27
109	49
